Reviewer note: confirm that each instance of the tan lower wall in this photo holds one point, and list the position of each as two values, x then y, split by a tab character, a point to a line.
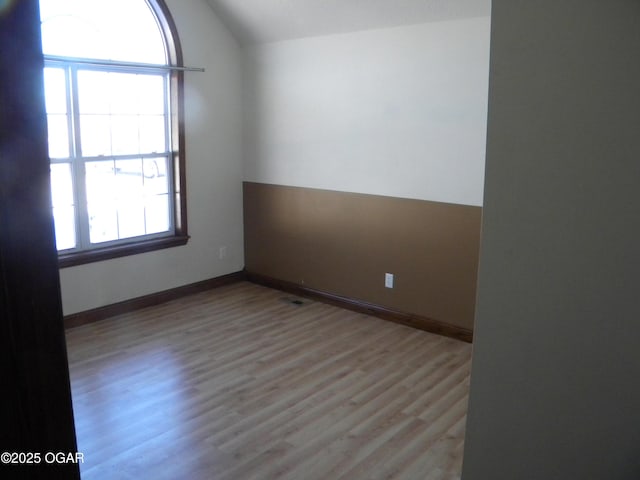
344	243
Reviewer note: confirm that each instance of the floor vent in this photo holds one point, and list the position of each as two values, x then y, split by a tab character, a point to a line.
294	301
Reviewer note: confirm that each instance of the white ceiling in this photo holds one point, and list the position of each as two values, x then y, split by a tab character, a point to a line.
263	21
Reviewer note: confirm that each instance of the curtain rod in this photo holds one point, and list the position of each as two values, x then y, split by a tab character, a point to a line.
111	63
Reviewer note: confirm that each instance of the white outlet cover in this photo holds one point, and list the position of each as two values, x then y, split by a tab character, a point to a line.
388	280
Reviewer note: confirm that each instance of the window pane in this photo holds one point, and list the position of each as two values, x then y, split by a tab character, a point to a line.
100	182
61	185
93	92
101	201
64	220
128	176
124	90
129	192
151	134
55	93
155	172
55	90
130	219
105	32
123	202
58	136
63	205
124	134
120	93
157	214
121	113
95	133
103	222
150	94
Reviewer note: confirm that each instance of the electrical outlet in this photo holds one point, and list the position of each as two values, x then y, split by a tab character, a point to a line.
388	280
222	253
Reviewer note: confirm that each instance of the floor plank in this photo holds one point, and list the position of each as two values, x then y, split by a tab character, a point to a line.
239	383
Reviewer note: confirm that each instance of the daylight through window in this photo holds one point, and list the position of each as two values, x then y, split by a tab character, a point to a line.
113	132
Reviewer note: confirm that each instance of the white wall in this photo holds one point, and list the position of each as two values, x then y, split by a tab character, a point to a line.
555	391
214	177
398	112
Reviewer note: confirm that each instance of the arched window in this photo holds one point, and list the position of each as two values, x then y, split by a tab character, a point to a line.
113	90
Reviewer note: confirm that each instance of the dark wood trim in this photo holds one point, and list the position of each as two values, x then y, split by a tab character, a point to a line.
115	251
100	313
416	321
174	50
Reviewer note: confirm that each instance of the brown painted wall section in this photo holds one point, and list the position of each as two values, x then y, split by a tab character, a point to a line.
343	243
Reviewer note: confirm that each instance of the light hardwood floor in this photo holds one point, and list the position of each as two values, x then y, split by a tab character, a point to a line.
237	383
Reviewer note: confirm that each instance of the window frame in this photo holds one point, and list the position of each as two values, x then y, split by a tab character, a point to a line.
179	234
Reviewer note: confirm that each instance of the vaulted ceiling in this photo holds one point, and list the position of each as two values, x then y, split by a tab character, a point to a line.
263	21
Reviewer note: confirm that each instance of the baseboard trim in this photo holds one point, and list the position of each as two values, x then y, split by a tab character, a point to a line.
100	313
416	321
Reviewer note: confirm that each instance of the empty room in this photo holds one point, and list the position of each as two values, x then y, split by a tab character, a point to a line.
263	239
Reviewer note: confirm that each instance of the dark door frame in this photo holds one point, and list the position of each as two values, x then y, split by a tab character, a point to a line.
36	415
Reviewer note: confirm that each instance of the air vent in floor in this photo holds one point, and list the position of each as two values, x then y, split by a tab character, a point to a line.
294	301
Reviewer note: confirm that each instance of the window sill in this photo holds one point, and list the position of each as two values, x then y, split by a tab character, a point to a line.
100	254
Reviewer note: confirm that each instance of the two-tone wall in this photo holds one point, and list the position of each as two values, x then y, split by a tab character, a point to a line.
361	154
364	154
344	243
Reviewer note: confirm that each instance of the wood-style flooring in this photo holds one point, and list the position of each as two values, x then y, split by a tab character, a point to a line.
240	383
